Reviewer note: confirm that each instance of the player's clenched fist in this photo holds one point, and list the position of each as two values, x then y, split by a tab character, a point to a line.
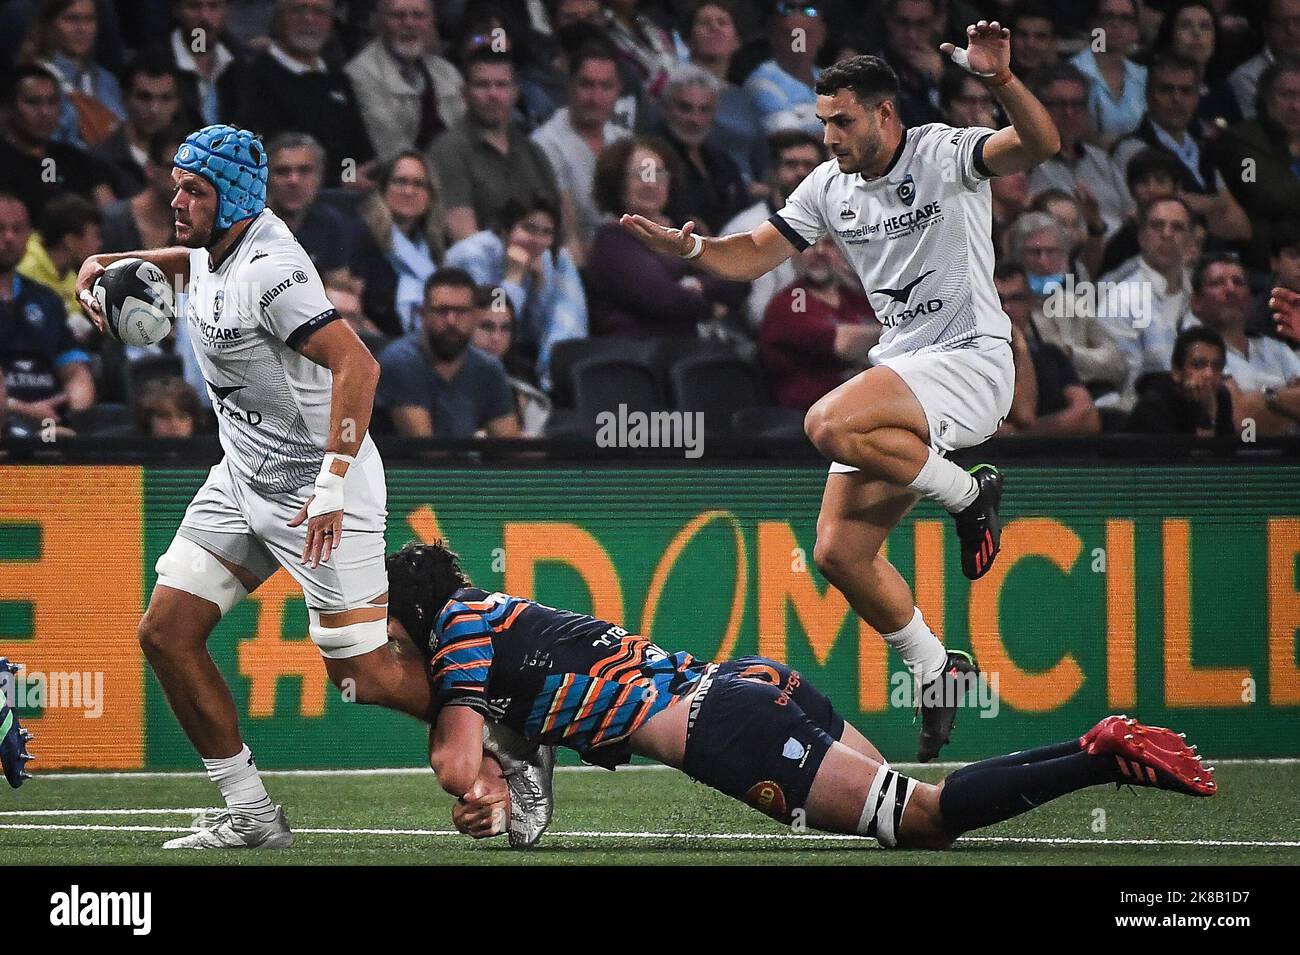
484	811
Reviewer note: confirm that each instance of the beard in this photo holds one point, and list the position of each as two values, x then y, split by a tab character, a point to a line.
447	346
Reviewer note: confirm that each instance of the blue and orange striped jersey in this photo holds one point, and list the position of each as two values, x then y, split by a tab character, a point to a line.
553	676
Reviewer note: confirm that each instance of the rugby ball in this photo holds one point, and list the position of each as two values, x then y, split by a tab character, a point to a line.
137	302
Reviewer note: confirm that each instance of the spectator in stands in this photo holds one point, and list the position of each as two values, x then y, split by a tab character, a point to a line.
168	408
291	87
1117	84
495	336
1284	272
1281	41
576	134
434	383
1190	29
713	41
1083	227
1033	24
643	44
152	102
1040	247
1193	399
1151	174
1264	373
965	101
146	220
711	190
1080	167
62	39
781	88
203	57
295	167
345	293
1266	146
1049	398
632	290
1172	88
520	255
406	218
407	94
47	377
66	235
1145	303
912	49
486	159
793	154
816	331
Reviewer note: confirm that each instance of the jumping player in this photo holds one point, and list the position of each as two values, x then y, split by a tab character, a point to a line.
751	728
293	390
911	209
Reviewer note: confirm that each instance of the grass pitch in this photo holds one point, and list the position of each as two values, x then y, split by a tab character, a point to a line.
637	816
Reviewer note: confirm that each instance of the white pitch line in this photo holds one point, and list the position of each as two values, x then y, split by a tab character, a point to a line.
423	771
690	836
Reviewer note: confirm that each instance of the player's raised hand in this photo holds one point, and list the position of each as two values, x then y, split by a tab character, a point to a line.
988	49
660	238
86	275
1285	306
324	532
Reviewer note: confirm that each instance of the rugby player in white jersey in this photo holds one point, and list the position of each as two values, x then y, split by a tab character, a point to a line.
911	210
301	484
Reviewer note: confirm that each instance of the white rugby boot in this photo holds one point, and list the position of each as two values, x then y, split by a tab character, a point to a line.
223	829
529	772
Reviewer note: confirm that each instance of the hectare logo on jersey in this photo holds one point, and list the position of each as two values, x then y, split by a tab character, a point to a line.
211	332
914	220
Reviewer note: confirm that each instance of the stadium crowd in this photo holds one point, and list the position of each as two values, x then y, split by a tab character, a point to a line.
455	171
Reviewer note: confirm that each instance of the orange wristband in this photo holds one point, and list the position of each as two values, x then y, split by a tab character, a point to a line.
1001	79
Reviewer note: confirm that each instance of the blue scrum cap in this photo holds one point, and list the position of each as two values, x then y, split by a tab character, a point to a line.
234	161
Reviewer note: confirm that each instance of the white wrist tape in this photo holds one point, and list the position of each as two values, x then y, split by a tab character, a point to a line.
696	249
329	486
962	59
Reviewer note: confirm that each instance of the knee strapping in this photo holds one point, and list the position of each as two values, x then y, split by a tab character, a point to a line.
187	566
350	640
882	816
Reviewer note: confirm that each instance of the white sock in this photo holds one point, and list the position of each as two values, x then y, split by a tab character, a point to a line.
241	786
945	483
919	648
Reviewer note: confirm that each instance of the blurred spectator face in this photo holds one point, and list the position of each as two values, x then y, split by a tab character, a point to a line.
1202	369
713	34
1286	267
293	180
1157	186
1011	194
159	174
1017	301
194	207
1119	20
74	30
1044	254
568	12
1163	238
689	112
490	93
1224	297
167	419
208	16
534	232
820	265
973	105
646	189
593	93
1172	97
1282	28
15	230
1193	35
36	109
81	245
1068	215
909	27
407	27
449	317
408	193
795	164
1033	43
1283	104
792	16
151	102
1067	102
494	330
303	26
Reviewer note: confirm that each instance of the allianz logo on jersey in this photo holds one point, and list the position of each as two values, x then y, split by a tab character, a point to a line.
903	296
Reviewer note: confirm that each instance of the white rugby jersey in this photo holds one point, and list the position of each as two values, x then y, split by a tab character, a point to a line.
919	237
245	319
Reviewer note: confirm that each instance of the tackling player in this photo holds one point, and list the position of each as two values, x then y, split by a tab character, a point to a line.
911	209
293	390
751	728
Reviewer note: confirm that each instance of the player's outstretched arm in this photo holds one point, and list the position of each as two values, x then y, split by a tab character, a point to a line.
740	257
456	748
1032	136
174	262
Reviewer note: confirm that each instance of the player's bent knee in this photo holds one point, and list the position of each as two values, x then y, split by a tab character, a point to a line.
922	825
350	640
187	567
839	553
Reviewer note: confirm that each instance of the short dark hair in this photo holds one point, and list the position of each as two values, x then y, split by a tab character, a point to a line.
869	77
450	278
1057	73
1268	79
1189	337
1171	63
486	55
1145	209
951	83
591	46
513	211
152	62
1009	269
421	579
164	143
1030	10
784	139
66	215
611	169
27	71
1150	163
1285	235
1208	260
